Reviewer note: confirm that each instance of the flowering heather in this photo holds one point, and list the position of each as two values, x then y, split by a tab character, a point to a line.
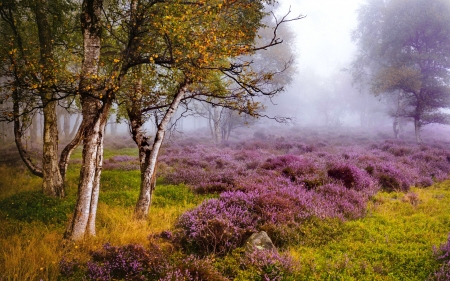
121	162
67	267
443	274
129	262
443	254
276	183
218	225
267	265
221	225
351	176
192	268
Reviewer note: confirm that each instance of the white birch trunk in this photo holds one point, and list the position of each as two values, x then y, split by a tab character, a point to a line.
147	184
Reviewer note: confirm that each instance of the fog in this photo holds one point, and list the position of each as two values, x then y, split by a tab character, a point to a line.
320	92
323	48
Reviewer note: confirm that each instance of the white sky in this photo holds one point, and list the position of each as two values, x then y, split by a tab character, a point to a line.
323	47
323	38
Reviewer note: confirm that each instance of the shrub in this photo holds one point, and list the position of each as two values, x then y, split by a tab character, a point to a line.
391	178
266	265
442	254
129	262
280	162
67	267
218	225
351	176
193	269
342	202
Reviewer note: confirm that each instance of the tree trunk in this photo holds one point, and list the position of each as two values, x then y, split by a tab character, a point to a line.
92	128
53	184
148	181
66	124
216	121
417	130
396	128
149	166
34	129
26	158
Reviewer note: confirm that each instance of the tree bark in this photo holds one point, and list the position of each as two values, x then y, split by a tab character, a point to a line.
150	155
34	129
217	130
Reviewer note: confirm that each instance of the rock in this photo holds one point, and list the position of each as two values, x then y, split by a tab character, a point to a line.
259	241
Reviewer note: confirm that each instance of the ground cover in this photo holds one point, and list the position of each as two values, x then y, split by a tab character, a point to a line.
338	207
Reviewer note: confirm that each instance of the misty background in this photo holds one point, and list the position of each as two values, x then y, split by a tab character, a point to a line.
319	90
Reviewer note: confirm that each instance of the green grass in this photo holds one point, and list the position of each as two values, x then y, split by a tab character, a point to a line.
107	152
393	242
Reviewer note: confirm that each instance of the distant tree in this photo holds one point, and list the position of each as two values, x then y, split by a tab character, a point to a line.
405	47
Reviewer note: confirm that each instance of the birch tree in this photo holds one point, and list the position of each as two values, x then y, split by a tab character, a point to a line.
210	65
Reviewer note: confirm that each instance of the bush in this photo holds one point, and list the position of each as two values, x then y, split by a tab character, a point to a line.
443	254
351	176
266	265
129	262
391	178
193	269
218	225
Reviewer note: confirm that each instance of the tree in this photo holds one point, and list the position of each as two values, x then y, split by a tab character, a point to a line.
405	46
209	65
180	50
33	77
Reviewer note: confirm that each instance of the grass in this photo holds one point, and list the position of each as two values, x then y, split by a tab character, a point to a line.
393	242
32	225
107	152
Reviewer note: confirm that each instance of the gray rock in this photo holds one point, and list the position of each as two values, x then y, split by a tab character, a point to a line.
259	241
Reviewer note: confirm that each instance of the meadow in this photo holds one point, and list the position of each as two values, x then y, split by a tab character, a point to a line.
340	205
